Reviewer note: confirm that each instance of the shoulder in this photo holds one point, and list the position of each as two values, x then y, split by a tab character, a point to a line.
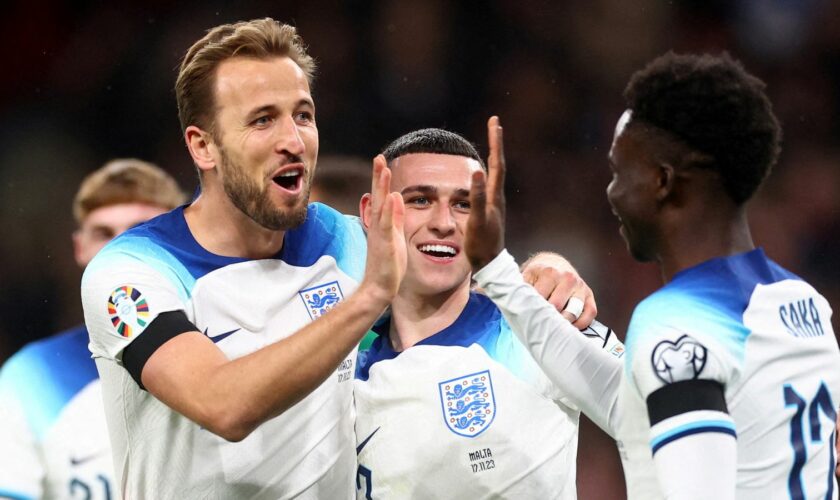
61	356
327	232
44	375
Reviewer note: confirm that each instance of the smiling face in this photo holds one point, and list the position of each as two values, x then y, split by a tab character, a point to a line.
266	138
632	190
435	189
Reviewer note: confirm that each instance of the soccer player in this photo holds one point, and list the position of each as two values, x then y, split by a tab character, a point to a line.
449	402
731	382
225	331
52	425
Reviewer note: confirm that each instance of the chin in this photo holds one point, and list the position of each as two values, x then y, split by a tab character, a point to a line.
639	253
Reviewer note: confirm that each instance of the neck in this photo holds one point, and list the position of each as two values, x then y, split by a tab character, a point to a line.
222	229
720	233
415	317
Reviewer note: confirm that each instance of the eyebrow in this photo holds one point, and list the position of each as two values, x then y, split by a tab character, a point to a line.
304	102
432	190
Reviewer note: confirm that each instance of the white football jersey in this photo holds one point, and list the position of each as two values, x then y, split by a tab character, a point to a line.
242	305
465	413
53	436
764	335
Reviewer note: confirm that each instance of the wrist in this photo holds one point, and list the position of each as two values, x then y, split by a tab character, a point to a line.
373	297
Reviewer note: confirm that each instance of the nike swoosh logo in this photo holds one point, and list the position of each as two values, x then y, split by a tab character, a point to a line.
221	336
79	461
365	442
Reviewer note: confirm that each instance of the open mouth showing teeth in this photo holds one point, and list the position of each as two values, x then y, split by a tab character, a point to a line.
288	180
438	250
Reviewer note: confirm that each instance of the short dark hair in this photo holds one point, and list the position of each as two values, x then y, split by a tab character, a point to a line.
431	140
258	39
713	105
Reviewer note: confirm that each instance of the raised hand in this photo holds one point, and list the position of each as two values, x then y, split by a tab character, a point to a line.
386	254
485	235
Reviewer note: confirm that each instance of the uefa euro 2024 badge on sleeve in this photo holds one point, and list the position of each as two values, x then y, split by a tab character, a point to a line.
128	311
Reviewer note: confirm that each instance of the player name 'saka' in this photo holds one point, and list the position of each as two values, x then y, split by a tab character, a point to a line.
802	318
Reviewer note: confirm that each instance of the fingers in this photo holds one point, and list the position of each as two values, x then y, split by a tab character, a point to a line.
386	219
393	212
590	309
555	286
380	185
496	163
531	273
478	199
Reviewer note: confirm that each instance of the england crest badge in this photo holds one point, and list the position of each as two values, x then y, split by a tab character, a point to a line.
320	299
468	403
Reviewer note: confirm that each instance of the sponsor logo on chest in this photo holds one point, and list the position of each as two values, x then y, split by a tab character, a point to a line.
468	403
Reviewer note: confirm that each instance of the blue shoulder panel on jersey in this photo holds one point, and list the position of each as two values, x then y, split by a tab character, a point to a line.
166	244
710	298
327	232
45	375
479	323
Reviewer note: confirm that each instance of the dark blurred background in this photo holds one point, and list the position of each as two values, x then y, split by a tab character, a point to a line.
88	81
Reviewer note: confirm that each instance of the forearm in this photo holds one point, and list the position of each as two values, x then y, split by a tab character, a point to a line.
232	398
587	374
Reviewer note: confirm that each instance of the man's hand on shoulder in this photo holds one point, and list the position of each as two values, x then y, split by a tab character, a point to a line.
559	283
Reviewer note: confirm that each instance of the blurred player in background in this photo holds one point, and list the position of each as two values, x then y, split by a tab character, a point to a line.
52	425
449	403
225	331
731	374
340	181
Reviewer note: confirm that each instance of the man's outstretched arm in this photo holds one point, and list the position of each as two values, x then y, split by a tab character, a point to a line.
190	374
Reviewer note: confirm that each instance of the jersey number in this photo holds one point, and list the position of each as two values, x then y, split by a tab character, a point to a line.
364	472
84	491
808	415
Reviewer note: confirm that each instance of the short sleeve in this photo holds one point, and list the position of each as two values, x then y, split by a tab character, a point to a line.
121	297
669	342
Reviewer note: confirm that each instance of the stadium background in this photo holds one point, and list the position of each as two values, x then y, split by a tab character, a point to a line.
88	81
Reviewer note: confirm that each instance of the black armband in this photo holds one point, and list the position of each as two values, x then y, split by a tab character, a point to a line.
683	397
164	327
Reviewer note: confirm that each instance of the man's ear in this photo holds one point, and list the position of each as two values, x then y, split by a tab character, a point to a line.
666	181
201	146
364	210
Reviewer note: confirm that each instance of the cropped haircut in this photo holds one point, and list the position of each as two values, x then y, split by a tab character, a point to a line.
431	140
259	39
716	108
126	180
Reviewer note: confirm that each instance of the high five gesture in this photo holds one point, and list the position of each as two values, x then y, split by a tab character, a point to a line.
485	235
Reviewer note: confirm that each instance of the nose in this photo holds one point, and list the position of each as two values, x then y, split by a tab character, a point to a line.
609	190
288	138
442	222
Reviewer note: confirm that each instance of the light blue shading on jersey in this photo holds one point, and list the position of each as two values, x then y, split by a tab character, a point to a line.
45	375
166	244
14	495
480	323
327	232
708	299
721	426
143	249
